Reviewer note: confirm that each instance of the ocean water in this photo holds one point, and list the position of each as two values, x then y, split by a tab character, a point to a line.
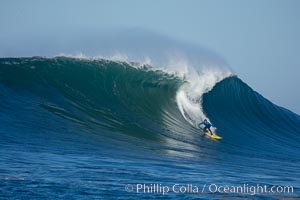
103	129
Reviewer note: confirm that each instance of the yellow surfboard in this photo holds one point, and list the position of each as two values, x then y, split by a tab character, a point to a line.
213	136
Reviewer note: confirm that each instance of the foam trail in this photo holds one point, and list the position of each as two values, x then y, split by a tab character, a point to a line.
189	96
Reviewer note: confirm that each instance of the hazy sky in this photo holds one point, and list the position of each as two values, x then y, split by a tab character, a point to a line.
259	39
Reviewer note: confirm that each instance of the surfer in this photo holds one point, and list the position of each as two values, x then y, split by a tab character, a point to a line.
207	126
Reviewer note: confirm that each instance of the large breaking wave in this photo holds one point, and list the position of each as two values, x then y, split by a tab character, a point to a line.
146	102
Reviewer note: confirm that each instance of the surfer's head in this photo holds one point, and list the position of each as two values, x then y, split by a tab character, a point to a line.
205	120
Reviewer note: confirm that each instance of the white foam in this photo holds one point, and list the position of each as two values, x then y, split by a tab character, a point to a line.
189	96
81	56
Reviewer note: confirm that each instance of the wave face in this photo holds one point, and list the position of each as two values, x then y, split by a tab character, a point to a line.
97	115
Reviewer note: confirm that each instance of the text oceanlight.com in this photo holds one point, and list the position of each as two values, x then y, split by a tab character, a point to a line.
208	188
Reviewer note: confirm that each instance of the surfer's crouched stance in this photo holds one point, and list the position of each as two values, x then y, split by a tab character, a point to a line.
207	126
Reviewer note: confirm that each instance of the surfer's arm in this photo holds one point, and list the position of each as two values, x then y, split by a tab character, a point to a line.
200	124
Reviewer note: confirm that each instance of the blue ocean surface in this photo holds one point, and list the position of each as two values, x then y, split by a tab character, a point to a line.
101	129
